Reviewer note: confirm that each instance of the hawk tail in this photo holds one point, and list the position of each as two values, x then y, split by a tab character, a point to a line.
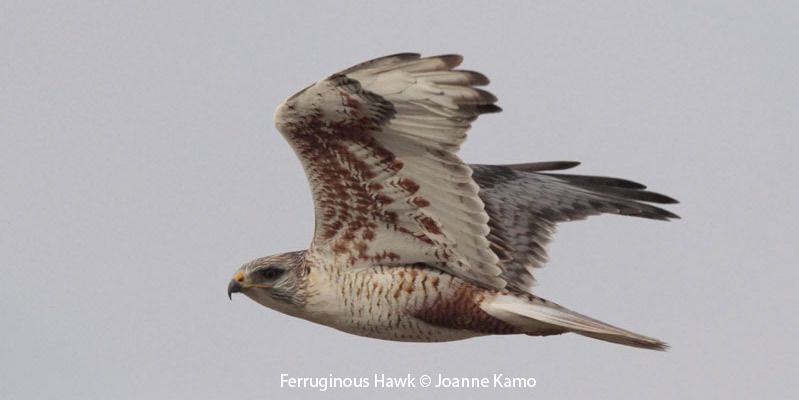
540	317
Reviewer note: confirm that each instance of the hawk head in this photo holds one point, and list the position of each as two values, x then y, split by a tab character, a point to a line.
274	281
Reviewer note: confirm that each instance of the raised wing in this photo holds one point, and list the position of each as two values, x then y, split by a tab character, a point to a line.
524	205
378	144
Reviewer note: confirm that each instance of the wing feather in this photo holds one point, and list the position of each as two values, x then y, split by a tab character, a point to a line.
525	204
378	142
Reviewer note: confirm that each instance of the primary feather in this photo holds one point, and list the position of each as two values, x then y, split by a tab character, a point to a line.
525	203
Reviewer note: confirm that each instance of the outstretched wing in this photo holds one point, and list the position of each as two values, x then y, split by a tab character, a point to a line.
378	144
524	204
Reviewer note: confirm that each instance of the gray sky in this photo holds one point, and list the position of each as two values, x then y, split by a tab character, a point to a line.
140	167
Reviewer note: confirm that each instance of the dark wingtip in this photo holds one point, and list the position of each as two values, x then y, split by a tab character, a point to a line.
405	56
653	197
451	60
594	180
566	164
476	78
543	166
488	108
671	215
660	346
656	213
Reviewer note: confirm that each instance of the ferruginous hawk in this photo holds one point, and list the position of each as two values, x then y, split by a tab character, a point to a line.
411	243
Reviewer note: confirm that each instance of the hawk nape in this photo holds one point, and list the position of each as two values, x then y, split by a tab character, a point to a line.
411	243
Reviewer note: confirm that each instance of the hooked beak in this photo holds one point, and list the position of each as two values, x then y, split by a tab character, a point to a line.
237	284
233	287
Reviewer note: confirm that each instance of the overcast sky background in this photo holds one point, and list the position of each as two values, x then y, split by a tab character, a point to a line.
140	167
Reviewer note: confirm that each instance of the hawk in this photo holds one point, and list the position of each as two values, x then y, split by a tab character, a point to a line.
410	242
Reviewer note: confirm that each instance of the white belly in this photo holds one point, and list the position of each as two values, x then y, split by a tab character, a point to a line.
380	303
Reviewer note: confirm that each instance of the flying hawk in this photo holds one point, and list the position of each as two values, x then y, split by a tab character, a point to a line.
411	243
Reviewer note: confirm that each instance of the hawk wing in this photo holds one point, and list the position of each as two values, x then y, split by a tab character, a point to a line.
378	142
524	203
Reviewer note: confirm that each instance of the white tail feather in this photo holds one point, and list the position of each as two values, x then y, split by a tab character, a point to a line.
537	315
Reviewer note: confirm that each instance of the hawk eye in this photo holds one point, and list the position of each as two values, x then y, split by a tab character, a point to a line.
271	273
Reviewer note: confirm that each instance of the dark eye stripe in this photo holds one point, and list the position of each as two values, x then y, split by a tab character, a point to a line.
271	273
